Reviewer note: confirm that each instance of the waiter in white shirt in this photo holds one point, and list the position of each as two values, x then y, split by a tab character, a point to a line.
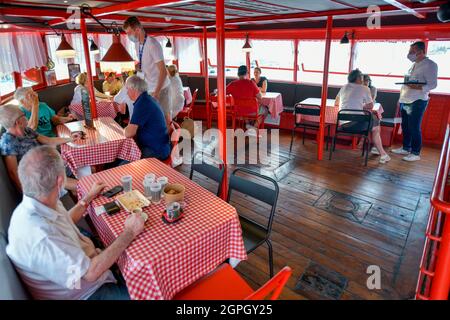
414	100
151	65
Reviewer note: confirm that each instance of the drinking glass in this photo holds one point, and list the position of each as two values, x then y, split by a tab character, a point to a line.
150	177
127	183
155	191
163	181
147	192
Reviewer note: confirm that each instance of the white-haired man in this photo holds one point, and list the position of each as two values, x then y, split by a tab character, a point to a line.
51	255
41	117
147	124
19	139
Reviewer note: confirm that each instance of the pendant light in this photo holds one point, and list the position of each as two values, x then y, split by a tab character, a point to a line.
65	50
93	47
168	44
247	47
345	39
117	59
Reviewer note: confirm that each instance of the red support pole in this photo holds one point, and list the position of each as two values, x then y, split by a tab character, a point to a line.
248	63
87	57
205	70
295	60
221	88
323	105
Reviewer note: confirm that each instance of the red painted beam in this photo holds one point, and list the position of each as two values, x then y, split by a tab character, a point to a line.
340	12
87	58
323	105
205	70
221	89
133	5
405	8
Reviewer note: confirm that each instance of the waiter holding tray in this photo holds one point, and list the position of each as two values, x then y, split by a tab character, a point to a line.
414	97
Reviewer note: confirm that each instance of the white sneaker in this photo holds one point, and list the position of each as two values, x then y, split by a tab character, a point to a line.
385	158
375	151
411	157
400	151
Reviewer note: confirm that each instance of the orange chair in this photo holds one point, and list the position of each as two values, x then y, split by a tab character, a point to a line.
225	283
229	104
174	136
186	112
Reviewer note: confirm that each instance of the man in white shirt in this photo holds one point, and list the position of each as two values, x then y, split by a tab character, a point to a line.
356	96
414	100
151	65
52	257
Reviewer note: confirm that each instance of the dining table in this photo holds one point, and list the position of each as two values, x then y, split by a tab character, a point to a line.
331	111
274	102
104	109
102	144
167	257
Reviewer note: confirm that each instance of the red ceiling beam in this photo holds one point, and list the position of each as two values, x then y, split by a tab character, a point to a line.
133	5
328	13
405	8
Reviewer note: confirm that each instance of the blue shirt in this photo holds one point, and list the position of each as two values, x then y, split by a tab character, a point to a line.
45	126
10	145
152	130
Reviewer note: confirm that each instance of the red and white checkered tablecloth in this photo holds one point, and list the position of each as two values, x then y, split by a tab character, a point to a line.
331	111
104	109
274	101
166	258
102	145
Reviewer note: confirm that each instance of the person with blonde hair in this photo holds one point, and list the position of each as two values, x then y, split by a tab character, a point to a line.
112	84
176	94
81	81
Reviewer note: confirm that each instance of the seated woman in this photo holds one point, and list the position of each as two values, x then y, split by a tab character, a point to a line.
81	80
368	83
176	93
354	95
112	84
261	82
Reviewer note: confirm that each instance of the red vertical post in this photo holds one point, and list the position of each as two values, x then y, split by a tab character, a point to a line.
352	53
17	79
87	57
205	70
221	88
295	60
248	63
323	104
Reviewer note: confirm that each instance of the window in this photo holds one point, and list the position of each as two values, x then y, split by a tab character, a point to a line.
311	55
234	56
439	52
104	42
274	57
167	52
7	84
385	61
188	51
77	43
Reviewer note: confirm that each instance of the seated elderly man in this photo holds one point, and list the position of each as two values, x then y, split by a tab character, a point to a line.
19	139
53	258
355	95
147	124
244	88
41	117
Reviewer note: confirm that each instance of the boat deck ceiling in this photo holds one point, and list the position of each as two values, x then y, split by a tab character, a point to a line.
197	13
335	219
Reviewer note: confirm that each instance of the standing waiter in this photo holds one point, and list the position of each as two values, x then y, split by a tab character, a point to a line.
414	100
151	66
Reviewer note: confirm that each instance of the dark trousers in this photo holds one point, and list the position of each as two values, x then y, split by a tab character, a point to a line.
412	114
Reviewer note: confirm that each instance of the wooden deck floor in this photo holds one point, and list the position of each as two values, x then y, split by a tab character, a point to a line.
336	218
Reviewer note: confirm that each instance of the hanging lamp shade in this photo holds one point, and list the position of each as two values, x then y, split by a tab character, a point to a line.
247	47
345	39
65	50
168	44
117	59
94	48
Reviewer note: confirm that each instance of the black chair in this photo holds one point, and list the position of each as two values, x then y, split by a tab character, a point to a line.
357	123
255	234
307	110
207	169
